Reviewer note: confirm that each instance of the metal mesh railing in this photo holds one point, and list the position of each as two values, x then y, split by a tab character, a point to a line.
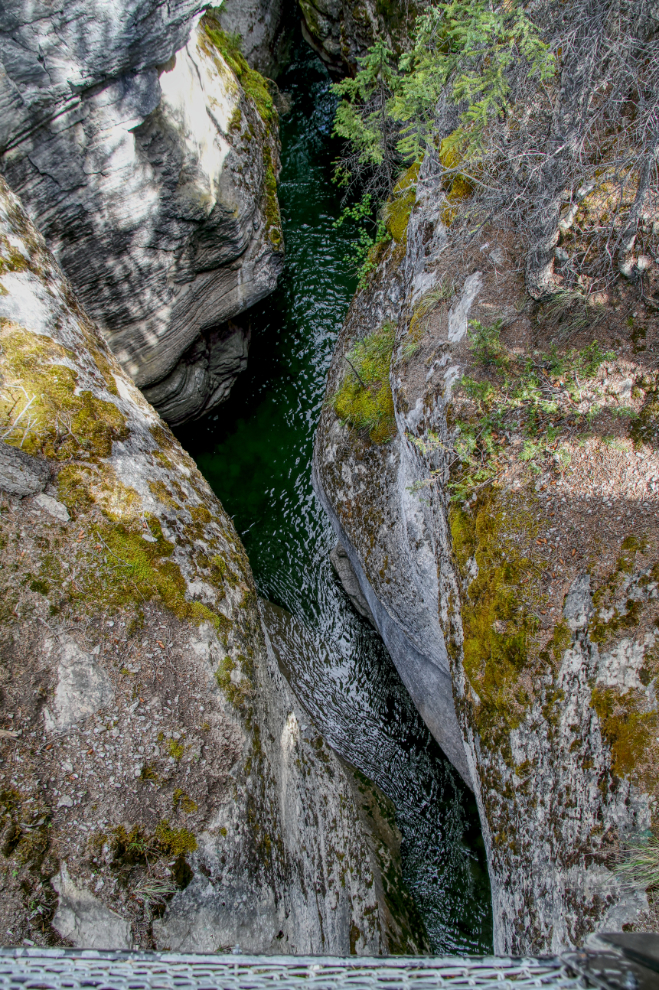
62	969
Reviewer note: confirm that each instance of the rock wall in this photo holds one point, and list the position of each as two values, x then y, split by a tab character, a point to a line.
389	535
503	521
265	27
145	150
341	31
159	785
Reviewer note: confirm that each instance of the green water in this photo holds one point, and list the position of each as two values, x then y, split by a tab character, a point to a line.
256	453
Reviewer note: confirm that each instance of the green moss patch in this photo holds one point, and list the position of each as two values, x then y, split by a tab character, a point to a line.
40	397
254	85
397	211
499	611
271	211
237	690
630	731
364	399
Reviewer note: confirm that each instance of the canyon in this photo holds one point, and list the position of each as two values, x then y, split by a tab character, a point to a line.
168	778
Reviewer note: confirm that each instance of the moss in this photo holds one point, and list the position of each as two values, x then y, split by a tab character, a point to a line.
238	690
175	748
182	800
41	587
64	422
364	399
630	731
397	211
80	486
254	85
271	207
236	120
498	614
625	616
557	645
132	571
24	829
134	846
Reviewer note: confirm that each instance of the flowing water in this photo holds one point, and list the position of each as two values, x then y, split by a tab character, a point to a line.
256	454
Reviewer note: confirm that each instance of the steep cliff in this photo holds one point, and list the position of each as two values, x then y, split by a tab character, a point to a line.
145	150
490	465
159	785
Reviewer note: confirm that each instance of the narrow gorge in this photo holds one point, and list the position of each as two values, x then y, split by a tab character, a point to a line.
328	484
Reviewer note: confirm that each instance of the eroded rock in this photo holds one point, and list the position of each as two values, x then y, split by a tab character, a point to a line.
342	32
85	921
346	574
21	474
152	174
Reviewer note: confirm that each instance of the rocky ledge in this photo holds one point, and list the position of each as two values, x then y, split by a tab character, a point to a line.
160	786
493	476
145	150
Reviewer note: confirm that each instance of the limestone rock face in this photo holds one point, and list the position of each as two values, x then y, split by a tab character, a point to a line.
159	785
505	537
387	533
150	168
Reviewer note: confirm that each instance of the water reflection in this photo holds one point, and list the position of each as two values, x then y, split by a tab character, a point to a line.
256	453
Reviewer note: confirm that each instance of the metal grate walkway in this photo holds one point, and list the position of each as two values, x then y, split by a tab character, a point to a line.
66	969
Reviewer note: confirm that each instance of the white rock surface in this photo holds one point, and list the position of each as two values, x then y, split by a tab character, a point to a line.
85	920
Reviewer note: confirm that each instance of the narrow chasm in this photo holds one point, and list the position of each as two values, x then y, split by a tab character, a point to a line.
256	452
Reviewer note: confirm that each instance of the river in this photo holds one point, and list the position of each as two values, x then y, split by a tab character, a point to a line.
256	453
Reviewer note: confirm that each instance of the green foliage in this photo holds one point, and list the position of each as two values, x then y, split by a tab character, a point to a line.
464	49
362	259
513	395
361	115
364	399
639	864
485	342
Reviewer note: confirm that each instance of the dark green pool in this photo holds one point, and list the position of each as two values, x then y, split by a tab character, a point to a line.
256	453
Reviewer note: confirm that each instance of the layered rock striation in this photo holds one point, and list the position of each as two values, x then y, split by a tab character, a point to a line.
145	149
493	478
160	786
